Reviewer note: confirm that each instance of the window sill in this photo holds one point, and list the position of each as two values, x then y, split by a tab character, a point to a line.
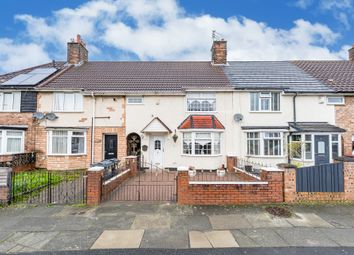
66	155
68	111
265	111
135	104
11	153
265	156
196	112
10	111
208	156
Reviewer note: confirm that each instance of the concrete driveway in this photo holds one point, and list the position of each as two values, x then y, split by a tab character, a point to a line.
168	226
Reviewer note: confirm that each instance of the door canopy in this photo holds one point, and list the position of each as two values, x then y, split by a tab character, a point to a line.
201	122
156	126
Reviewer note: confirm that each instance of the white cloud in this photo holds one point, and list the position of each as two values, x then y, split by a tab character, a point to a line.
161	29
303	3
14	56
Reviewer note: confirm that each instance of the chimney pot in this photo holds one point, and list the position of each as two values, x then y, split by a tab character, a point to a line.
351	53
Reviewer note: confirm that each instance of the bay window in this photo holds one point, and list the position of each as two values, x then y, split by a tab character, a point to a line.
201	143
11	141
10	101
65	142
201	102
265	101
68	102
264	143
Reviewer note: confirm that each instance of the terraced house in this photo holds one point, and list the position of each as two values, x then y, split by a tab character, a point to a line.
188	113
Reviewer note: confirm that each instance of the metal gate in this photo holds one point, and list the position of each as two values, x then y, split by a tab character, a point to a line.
149	184
48	187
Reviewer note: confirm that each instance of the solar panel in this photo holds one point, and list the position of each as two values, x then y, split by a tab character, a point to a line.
31	78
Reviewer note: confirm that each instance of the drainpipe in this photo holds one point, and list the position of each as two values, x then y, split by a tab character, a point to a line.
294	120
93	127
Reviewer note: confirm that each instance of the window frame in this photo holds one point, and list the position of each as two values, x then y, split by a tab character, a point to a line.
257	95
135	97
76	109
14	107
200	97
331	97
193	139
261	138
4	140
69	142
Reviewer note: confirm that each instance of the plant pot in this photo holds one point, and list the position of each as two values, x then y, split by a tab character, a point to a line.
220	172
192	173
248	168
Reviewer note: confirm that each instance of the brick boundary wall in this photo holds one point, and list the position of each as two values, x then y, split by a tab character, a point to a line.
5	184
4	195
97	192
291	196
231	194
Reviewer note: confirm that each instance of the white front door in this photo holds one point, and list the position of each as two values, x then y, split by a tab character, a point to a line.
157	150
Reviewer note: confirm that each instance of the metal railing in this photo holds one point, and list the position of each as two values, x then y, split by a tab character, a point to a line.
19	159
251	166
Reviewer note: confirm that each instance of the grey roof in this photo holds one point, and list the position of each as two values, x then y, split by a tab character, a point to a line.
280	75
321	127
140	76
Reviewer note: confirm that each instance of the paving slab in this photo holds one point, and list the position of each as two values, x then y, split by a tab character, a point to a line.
197	222
232	221
339	221
165	238
243	240
265	237
119	239
35	224
221	239
26	241
305	237
308	220
73	240
152	221
112	222
198	239
264	220
343	237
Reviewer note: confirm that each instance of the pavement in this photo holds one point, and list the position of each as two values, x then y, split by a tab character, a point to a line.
169	227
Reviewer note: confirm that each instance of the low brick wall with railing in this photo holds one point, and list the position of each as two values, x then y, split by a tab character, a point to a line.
199	188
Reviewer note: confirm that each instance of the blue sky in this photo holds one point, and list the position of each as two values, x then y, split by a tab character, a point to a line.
36	31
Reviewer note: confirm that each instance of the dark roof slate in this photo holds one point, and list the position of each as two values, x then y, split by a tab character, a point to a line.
337	75
141	76
280	75
321	127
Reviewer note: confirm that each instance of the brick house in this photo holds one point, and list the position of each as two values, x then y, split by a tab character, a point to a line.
192	113
18	102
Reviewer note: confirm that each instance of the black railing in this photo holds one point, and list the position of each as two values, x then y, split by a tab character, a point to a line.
19	159
48	187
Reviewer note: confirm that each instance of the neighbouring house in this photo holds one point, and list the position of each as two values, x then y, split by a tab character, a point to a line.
193	113
18	103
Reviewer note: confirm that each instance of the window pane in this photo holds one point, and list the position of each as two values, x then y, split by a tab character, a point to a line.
58	101
69	102
334	137
254	101
78	102
308	151
308	138
275	101
335	150
13	145
203	135
0	141
217	143
265	104
17	101
77	145
335	100
7	102
135	100
59	142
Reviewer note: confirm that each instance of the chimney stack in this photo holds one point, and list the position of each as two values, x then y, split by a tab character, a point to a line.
218	51
351	53
77	52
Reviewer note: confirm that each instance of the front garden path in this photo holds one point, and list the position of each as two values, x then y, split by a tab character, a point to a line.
152	225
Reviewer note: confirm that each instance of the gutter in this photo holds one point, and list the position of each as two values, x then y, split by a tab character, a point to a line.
294	120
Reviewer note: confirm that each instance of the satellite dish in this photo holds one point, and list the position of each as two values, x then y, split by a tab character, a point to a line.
38	115
238	117
51	116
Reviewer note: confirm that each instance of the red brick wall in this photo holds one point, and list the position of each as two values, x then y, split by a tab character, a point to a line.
291	196
213	194
4	195
20	119
83	161
345	119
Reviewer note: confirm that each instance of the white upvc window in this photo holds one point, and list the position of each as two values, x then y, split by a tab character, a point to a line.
68	102
66	142
201	102
10	101
135	100
265	101
335	100
201	143
11	141
265	143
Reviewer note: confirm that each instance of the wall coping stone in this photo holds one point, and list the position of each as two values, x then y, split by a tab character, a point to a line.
227	182
182	168
96	169
272	169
